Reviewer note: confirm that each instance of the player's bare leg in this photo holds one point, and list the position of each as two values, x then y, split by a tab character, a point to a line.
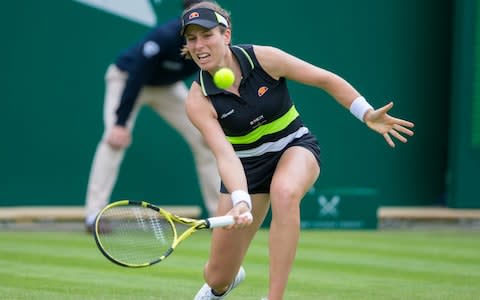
295	174
229	246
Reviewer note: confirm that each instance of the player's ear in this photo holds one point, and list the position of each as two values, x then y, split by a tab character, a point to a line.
227	36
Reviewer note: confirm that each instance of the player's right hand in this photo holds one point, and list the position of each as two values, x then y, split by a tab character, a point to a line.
241	214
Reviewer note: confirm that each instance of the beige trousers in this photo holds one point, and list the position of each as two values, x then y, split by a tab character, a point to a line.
168	102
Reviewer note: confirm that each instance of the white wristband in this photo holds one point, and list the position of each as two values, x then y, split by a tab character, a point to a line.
241	196
359	107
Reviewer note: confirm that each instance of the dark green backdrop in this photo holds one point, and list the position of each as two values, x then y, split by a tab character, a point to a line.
464	151
51	84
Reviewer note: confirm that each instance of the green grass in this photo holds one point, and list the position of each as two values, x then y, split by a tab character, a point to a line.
329	265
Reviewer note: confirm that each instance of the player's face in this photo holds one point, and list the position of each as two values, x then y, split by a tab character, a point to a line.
207	47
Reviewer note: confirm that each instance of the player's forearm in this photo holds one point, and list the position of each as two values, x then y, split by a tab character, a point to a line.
232	174
340	89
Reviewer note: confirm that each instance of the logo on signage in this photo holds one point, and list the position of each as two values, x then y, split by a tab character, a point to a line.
328	207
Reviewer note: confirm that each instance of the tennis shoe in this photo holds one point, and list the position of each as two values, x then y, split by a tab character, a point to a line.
205	293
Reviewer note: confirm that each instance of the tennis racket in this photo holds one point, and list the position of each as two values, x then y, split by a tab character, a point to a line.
139	234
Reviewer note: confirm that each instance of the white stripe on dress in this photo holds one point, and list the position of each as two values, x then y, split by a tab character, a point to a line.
272	146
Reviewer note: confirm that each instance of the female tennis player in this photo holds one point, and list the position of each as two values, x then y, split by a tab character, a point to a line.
266	156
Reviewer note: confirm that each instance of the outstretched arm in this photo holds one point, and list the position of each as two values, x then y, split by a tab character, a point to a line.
281	64
203	116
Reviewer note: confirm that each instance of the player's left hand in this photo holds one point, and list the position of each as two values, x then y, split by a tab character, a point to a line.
380	121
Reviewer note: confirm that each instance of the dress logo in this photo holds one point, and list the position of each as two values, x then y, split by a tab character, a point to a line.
257	121
223	116
262	90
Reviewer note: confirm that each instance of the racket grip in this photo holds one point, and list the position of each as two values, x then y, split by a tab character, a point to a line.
220	221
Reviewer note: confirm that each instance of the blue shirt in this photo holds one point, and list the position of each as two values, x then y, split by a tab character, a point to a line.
155	60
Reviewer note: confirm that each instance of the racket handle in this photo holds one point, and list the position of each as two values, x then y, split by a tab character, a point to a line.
220	221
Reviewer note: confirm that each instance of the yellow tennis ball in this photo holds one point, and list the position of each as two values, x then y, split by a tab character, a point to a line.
224	78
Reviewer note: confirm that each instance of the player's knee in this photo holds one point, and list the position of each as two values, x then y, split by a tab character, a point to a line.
284	194
285	204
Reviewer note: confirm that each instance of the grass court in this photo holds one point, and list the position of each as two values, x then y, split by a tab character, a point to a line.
330	265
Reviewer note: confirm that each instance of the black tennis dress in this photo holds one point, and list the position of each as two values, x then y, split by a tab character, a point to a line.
260	124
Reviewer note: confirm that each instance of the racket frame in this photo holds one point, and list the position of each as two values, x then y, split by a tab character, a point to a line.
193	225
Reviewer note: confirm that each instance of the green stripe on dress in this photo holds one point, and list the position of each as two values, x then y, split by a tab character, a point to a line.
273	127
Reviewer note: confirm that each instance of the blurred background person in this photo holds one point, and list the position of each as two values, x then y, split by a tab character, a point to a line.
150	72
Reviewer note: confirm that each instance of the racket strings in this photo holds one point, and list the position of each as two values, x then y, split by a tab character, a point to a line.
137	235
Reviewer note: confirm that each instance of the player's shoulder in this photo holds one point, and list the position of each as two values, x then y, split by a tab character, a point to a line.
258	49
194	98
264	48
